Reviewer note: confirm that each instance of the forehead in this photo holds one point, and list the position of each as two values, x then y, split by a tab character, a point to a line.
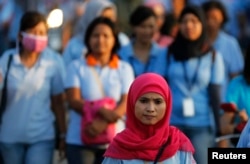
151	95
101	27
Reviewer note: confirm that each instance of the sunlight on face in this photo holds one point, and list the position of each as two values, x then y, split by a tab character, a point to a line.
191	27
109	13
146	30
214	19
150	108
40	29
102	40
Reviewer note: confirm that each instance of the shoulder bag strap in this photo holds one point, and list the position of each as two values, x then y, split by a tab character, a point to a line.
4	91
162	148
98	80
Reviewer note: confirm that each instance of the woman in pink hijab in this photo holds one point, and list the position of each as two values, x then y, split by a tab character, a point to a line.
148	137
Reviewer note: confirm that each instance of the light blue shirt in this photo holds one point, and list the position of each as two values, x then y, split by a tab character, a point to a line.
76	48
232	56
28	117
115	83
156	63
239	93
208	72
180	157
233	9
244	141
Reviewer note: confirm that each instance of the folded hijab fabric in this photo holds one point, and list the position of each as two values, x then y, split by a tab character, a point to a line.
139	141
93	10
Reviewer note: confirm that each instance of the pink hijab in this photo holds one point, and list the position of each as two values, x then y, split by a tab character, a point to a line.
139	141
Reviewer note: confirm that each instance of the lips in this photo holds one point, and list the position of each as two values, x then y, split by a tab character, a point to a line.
149	117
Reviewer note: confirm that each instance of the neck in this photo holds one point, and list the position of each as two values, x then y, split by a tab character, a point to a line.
212	35
142	51
29	58
157	36
142	45
103	59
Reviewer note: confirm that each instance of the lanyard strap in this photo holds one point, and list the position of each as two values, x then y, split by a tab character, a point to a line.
146	68
190	82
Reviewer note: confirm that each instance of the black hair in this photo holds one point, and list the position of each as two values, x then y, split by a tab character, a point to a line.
169	23
30	19
183	48
246	70
91	27
213	4
140	14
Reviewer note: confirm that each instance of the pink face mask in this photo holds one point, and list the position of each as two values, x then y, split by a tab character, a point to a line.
34	43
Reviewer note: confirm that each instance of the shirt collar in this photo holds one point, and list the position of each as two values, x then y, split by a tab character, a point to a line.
153	51
113	63
40	61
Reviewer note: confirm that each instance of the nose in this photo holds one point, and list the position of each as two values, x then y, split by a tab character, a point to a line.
150	107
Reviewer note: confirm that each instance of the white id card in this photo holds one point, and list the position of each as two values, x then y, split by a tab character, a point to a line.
188	107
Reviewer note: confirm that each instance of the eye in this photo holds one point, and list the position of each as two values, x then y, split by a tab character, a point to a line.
158	101
143	100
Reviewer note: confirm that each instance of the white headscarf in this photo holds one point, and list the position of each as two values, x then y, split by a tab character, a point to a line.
94	8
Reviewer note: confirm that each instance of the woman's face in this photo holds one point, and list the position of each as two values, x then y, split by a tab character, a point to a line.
150	108
214	19
160	15
109	13
102	40
146	30
191	27
40	30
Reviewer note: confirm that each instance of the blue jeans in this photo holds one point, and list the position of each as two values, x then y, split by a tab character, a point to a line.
202	138
20	153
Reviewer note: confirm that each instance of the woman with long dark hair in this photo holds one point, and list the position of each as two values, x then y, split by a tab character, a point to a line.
99	75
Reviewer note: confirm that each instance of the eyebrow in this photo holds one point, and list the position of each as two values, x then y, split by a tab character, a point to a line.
158	98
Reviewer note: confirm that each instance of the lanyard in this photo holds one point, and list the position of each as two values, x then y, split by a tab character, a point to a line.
190	82
146	68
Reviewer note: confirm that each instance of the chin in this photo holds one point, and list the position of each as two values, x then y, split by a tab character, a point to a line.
149	123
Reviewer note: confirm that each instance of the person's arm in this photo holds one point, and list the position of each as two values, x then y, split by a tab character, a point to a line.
126	78
57	103
215	101
75	99
112	116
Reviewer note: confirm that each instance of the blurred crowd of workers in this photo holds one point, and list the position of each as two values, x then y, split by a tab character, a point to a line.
200	47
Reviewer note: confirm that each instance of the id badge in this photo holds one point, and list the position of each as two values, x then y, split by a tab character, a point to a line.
188	107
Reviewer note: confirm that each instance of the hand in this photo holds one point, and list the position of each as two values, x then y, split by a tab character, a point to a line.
62	147
96	127
226	123
223	144
108	115
243	115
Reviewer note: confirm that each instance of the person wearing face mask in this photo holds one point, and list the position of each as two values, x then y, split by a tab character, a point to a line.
143	53
34	96
195	74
